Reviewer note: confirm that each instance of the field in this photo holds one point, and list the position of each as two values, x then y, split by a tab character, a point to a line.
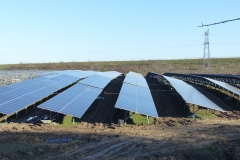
219	65
97	135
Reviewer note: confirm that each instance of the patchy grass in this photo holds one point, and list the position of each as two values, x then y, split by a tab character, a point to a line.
139	119
68	121
219	65
201	113
2	124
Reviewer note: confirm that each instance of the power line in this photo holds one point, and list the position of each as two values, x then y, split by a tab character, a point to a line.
219	22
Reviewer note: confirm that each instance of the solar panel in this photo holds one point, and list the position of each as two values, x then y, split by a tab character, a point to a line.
11	105
19	92
135	79
60	77
5	89
42	93
229	76
58	102
59	84
47	81
130	79
26	82
16	105
71	79
80	105
74	101
76	73
12	94
226	86
191	95
109	74
127	98
72	92
136	99
5	98
96	81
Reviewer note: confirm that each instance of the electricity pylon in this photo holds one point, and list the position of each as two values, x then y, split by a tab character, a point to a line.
206	53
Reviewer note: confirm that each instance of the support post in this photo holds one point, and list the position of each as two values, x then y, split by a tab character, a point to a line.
25	110
148	119
73	121
125	121
16	115
34	106
50	116
237	102
6	119
193	111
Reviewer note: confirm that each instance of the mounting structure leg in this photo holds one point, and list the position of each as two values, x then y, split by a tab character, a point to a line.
50	115
207	110
16	115
148	119
26	111
193	111
73	121
125	121
237	101
6	119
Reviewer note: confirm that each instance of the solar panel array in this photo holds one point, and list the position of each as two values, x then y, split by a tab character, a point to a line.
18	96
77	99
191	95
226	86
136	97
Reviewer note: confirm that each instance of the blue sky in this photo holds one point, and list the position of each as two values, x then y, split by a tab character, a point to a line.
37	31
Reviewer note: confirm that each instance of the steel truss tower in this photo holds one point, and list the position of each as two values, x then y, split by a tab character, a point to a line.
206	53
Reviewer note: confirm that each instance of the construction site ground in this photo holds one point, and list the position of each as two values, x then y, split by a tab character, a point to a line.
170	138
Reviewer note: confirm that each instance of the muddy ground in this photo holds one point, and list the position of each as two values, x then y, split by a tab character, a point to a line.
173	138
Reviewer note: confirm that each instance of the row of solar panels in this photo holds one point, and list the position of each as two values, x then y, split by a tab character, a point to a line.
134	96
76	100
193	96
18	96
222	84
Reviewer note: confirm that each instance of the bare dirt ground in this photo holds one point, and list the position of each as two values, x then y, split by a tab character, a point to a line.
170	138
